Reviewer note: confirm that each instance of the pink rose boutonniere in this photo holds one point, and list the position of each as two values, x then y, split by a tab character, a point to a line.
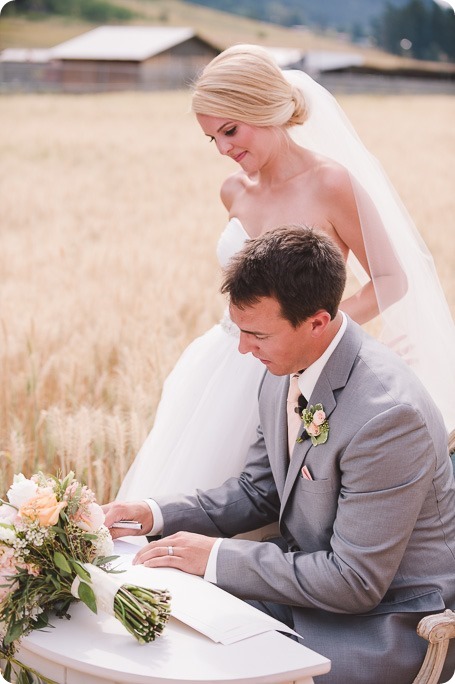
316	424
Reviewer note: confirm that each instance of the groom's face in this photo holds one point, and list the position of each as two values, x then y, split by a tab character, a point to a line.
264	333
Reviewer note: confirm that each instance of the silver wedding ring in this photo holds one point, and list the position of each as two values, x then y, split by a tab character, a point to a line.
170	551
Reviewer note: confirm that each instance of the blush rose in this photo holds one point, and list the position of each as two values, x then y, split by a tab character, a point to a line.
43	507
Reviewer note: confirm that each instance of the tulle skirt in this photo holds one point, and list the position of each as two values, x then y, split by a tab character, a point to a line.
205	422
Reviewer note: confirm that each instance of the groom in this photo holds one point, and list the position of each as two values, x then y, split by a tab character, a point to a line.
366	507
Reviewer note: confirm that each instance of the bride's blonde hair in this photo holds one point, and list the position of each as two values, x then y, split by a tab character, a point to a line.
245	83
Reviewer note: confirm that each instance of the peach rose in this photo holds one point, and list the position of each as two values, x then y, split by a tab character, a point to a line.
319	417
43	507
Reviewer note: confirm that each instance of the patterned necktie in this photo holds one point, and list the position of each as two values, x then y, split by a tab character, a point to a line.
294	419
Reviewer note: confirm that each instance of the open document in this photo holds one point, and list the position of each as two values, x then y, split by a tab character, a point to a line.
222	617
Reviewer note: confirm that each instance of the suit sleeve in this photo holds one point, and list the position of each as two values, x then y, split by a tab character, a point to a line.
387	469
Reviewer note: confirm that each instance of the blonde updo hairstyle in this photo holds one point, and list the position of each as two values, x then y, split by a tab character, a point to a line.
245	83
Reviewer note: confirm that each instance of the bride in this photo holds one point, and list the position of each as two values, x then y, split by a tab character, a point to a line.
300	162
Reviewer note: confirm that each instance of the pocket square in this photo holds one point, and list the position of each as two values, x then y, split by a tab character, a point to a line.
305	473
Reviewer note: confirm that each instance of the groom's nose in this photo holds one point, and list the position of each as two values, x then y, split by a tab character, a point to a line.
247	343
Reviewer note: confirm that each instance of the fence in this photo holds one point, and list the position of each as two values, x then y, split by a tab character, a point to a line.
95	77
91	77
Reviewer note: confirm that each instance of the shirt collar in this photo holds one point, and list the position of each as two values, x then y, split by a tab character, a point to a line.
310	375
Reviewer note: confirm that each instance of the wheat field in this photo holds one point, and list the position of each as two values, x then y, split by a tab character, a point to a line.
110	215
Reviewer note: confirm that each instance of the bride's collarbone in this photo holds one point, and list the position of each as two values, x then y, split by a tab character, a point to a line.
259	216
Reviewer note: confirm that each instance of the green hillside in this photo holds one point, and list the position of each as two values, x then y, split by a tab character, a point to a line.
39	28
343	16
42	26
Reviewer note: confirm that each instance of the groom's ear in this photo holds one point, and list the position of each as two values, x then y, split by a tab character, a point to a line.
319	322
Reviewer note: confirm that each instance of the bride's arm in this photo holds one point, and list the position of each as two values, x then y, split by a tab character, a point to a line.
359	228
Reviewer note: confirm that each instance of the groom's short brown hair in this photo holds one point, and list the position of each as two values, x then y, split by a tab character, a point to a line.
302	268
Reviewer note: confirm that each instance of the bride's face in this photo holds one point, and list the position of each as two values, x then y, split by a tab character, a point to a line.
249	146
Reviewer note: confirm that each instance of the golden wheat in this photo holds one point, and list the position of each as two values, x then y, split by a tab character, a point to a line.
110	217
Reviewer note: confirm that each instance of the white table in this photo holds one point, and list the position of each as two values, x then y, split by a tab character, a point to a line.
96	649
92	649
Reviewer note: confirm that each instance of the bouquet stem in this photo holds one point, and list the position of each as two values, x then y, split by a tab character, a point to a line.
142	611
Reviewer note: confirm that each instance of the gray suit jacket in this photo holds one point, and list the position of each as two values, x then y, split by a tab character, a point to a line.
370	540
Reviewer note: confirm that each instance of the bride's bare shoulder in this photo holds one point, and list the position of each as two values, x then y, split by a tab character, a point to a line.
232	186
329	176
328	169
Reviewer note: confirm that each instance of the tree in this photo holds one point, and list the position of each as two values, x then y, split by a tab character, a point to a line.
429	31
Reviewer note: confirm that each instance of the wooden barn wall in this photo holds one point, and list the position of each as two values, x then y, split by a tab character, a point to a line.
177	67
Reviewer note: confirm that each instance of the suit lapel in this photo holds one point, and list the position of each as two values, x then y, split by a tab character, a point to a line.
281	437
334	376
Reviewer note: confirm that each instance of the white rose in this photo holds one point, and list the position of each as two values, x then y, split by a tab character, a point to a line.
7	534
92	518
21	491
7	514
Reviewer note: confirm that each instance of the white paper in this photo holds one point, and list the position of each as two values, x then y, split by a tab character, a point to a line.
222	617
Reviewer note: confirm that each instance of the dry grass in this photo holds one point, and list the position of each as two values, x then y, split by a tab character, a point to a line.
23	33
110	217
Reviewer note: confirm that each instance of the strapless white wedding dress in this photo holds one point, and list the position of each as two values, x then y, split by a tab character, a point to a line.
208	412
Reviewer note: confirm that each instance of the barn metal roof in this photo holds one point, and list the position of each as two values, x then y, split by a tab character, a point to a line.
31	55
286	57
325	60
122	43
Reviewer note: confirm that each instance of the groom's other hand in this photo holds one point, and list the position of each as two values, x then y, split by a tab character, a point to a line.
138	511
184	550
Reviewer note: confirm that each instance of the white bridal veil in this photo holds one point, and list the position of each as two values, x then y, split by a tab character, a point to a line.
415	317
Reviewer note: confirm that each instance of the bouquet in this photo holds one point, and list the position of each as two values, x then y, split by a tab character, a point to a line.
55	549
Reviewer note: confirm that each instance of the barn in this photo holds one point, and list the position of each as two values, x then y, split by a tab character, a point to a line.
25	69
136	57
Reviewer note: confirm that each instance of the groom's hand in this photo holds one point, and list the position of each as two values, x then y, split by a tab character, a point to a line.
137	510
184	550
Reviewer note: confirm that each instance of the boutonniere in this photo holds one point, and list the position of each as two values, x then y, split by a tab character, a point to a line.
316	424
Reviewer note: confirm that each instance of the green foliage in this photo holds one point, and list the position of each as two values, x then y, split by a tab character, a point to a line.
87	595
16	671
90	10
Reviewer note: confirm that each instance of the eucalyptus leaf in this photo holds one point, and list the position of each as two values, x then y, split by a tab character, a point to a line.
14	632
86	594
80	571
61	562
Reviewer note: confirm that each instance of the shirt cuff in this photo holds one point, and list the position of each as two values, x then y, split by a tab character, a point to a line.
210	570
158	522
